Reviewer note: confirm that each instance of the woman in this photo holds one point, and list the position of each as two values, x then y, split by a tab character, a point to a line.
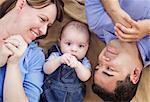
21	78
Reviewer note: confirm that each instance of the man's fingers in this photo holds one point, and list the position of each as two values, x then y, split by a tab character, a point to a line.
127	40
118	32
124	29
130	21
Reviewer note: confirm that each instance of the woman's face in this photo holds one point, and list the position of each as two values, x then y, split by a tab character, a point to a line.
32	23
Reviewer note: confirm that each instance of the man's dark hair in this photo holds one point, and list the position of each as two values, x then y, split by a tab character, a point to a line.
124	91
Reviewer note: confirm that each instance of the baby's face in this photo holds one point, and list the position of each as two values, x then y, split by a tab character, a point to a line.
74	42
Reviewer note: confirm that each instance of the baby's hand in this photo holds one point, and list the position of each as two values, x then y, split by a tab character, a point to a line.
65	58
73	62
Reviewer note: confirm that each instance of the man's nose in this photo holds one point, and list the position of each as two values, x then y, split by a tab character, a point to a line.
43	29
104	62
101	67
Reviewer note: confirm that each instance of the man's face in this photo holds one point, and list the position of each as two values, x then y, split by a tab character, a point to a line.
115	62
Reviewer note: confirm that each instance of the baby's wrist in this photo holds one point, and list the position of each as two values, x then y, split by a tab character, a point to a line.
78	65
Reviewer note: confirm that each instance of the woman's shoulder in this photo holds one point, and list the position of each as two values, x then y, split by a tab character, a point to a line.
34	50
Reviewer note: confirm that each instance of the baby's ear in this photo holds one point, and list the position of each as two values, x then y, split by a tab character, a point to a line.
20	4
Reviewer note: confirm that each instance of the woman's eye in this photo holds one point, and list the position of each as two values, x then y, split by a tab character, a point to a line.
42	19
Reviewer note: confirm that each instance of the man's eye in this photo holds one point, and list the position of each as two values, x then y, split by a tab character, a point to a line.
109	69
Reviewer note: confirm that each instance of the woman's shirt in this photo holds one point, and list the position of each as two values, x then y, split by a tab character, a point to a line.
31	64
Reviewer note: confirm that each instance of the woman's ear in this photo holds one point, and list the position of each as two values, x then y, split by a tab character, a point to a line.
135	75
20	4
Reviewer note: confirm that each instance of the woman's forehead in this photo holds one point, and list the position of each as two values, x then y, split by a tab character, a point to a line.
39	3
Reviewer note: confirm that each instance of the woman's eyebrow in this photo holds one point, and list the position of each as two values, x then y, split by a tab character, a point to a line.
45	17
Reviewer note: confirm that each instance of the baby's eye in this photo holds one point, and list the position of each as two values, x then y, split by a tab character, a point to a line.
68	43
81	46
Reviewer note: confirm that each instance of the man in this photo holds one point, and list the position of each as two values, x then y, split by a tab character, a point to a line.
120	63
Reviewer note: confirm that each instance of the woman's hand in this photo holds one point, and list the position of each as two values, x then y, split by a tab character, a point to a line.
17	45
4	54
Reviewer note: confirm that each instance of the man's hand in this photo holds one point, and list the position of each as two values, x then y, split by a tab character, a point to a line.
120	16
137	31
117	14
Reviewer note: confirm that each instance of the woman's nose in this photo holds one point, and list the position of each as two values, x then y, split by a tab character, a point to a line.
43	29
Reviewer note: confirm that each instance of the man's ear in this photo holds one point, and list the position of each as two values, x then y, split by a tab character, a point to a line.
135	75
20	4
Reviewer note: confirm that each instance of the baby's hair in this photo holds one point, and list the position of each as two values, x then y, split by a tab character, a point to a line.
82	27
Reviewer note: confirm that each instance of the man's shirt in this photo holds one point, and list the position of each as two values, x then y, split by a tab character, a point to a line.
100	23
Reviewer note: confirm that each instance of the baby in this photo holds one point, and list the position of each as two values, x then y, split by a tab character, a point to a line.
67	67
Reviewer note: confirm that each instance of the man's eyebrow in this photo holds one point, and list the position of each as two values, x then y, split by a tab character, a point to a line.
110	75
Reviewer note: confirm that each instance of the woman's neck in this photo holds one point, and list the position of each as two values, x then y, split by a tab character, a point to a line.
3	31
7	24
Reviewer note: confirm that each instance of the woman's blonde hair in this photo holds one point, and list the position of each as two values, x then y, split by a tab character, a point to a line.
4	8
